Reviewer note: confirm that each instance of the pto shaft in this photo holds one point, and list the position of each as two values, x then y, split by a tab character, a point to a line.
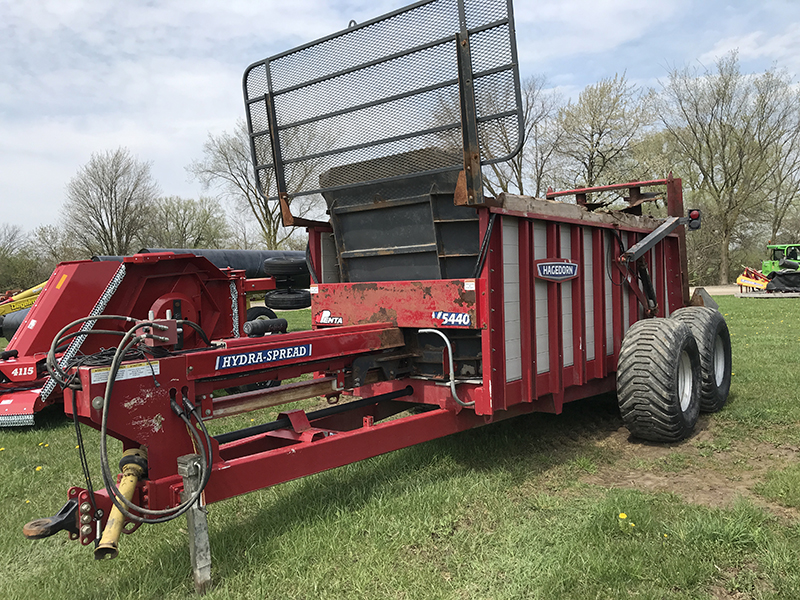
133	466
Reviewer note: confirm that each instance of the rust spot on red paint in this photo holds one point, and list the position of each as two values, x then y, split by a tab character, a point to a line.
391	338
465	298
383	315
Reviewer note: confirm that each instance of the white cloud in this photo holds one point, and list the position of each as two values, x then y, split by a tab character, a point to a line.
557	30
782	48
81	76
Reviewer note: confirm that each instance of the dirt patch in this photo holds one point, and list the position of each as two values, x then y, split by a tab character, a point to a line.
695	469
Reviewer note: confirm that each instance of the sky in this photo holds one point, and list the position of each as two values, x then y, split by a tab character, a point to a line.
158	76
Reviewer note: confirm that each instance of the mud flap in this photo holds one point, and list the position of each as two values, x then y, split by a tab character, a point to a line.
17	408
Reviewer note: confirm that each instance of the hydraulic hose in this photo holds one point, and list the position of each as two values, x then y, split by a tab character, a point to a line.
458	400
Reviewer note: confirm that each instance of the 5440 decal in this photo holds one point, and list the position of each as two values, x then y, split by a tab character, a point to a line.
452	319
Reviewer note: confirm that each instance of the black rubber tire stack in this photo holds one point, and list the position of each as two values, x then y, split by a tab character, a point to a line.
260	312
288	299
288	272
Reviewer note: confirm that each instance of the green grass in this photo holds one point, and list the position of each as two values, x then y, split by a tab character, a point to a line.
765	394
298	320
504	511
782	486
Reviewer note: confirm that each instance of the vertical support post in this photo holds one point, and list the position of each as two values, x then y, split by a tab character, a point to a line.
469	121
197	524
494	348
277	158
675	209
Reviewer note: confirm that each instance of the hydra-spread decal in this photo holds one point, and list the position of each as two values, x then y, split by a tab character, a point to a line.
244	359
556	270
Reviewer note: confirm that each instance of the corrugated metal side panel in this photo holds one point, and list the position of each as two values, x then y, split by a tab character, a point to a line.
566	300
588	291
513	335
609	292
540	295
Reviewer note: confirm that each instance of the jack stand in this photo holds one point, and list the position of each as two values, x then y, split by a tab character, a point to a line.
197	524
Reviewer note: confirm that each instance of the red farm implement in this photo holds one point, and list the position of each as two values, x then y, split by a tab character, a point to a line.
186	285
435	309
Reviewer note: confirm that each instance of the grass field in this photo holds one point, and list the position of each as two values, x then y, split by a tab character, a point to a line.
526	508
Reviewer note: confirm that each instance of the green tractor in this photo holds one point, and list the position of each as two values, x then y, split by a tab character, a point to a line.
779	252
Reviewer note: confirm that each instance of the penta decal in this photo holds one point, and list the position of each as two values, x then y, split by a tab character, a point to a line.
325	318
556	269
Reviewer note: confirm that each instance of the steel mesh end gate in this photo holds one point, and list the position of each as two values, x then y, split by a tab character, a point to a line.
430	88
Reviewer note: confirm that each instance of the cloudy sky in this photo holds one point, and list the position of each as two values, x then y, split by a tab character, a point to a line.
157	76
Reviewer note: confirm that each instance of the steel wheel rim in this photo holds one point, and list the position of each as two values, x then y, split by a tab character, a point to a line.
685	380
719	360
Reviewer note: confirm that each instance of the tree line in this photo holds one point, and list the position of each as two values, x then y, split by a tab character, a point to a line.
734	139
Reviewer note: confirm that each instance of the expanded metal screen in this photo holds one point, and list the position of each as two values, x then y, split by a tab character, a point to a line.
380	100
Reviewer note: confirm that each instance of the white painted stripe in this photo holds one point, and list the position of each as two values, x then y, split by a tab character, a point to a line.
588	291
511	299
608	256
568	350
542	324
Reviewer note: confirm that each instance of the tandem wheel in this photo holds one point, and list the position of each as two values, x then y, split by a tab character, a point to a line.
659	380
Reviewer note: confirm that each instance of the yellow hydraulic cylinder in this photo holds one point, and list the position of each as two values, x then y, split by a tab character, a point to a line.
34	291
22	300
131	473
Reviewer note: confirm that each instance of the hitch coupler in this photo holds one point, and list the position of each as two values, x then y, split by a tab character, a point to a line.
134	467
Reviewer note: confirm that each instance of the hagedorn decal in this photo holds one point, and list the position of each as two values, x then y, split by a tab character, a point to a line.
556	269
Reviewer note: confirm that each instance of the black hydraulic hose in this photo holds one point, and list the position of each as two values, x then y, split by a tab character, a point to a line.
75	334
197	328
310	265
53	367
129	339
115	496
484	247
312	416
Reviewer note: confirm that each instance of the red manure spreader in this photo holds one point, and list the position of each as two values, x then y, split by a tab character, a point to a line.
435	308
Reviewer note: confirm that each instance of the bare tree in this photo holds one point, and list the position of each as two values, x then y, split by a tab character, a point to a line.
784	188
226	166
525	172
543	135
599	130
21	266
735	132
12	237
186	223
14	262
108	201
50	245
